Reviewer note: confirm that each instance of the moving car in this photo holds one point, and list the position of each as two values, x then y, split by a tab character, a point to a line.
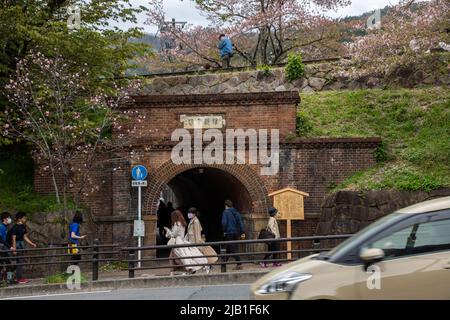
404	255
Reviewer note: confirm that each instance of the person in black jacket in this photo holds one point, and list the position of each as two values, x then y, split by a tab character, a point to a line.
233	228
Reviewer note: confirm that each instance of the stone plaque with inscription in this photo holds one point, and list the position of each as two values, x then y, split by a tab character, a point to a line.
202	121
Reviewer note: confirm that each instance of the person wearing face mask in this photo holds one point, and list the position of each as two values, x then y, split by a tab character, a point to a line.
16	237
194	235
6	220
7	272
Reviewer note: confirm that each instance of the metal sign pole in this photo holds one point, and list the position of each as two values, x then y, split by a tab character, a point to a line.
139	173
139	218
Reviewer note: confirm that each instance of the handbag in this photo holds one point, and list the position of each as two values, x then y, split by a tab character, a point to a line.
266	234
73	249
209	251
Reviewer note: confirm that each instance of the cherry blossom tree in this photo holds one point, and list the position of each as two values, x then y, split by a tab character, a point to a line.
408	34
263	31
63	118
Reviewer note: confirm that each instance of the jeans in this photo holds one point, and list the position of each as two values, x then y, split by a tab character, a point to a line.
19	269
272	246
6	264
232	248
226	61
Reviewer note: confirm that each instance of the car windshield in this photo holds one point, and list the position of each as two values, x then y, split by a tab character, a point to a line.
366	232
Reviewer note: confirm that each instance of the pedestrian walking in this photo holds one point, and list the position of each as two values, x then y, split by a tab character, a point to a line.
7	275
16	238
75	237
272	228
194	235
226	50
161	221
177	236
233	229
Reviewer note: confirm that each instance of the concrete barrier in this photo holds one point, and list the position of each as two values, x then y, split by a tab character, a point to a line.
140	282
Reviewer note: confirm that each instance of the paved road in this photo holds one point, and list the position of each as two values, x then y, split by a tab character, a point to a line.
217	292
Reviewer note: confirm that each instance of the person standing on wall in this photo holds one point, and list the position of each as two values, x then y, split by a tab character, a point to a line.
75	236
272	227
233	229
226	50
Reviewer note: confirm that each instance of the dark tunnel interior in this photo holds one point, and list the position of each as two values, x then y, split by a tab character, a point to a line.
206	189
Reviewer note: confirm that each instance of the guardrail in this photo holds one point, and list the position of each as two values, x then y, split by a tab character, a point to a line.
19	257
222	255
115	253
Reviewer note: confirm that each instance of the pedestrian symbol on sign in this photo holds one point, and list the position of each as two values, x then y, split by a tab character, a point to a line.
139	173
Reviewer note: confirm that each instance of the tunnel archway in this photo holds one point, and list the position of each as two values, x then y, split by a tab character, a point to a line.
206	189
240	182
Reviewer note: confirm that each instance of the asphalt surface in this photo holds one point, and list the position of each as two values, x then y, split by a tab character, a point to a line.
216	292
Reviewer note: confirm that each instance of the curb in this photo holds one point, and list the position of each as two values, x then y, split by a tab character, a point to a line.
147	282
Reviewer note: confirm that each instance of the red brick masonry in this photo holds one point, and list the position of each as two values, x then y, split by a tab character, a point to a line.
310	165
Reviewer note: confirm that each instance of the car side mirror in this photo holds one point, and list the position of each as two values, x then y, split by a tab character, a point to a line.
371	255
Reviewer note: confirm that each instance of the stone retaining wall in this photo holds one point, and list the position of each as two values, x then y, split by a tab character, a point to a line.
337	75
346	212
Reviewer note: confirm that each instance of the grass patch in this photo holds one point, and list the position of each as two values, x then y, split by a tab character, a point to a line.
62	278
414	126
114	266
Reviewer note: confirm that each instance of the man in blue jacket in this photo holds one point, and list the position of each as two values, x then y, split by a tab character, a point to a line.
233	228
226	50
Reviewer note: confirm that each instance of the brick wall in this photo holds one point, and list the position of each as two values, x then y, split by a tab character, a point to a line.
310	165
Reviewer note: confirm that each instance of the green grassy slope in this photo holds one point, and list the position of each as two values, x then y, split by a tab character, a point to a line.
413	123
16	184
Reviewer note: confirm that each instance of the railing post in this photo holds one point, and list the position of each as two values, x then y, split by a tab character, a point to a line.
131	264
95	261
316	245
223	266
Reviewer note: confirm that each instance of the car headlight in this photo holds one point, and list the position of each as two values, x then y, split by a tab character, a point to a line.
285	282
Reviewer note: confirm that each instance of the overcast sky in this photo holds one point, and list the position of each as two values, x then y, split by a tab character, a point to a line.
184	10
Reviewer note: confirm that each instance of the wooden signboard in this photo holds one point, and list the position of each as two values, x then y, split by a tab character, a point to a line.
290	205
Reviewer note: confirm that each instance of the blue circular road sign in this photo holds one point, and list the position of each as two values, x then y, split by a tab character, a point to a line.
139	172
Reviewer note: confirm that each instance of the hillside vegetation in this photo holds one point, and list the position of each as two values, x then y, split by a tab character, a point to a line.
413	123
16	183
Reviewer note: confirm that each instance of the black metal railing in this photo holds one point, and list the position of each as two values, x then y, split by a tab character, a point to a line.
34	257
107	253
222	255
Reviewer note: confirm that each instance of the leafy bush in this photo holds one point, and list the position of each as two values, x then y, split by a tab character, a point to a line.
295	69
304	126
266	70
380	153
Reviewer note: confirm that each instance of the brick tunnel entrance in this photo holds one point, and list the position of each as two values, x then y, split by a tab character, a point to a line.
206	189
